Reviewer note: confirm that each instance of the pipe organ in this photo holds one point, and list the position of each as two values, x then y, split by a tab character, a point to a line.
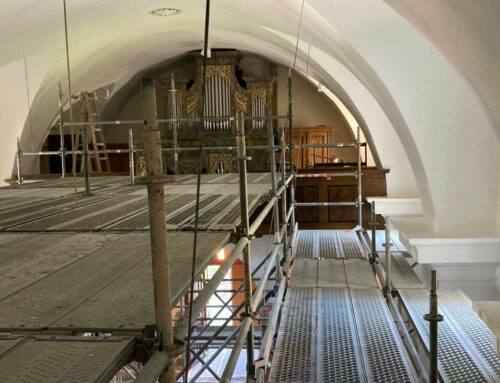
227	92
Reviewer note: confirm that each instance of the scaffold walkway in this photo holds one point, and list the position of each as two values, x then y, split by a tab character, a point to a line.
465	346
335	317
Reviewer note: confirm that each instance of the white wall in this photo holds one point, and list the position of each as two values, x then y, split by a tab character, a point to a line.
14	107
433	118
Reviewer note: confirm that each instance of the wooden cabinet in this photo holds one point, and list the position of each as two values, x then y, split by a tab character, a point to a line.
309	157
337	189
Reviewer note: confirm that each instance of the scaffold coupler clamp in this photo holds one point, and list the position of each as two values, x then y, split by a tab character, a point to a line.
149	180
433	317
154	341
245	158
240	233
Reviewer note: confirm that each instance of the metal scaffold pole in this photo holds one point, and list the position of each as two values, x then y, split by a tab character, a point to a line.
284	236
360	189
245	226
62	149
388	288
86	160
374	232
274	186
433	318
131	161
18	163
292	148
158	230
175	125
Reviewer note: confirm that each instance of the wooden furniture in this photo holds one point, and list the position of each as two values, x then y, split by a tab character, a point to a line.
336	189
333	189
307	157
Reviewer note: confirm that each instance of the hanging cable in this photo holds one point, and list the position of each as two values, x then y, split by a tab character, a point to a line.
298	35
73	155
29	103
29	110
304	92
198	185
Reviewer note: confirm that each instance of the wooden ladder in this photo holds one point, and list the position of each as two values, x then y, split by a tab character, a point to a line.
98	162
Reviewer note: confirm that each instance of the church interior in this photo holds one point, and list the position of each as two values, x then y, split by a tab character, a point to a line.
249	191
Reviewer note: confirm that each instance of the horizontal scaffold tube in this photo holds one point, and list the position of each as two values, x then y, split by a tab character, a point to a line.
181	328
317	175
153	368
235	352
116	122
312	204
336	145
207	148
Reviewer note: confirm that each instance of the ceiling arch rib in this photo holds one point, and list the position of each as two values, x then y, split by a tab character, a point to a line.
399	67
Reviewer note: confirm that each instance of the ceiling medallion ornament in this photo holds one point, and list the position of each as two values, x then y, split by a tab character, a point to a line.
165	12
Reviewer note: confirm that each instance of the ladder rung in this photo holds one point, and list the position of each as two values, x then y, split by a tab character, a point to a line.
100	144
103	158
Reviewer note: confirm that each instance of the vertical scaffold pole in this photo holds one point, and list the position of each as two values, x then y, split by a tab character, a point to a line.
86	160
433	318
360	190
158	230
131	162
245	226
374	232
388	288
284	239
276	216
173	93
62	149
18	163
292	148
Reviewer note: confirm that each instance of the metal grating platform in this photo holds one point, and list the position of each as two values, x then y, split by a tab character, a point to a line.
458	308
328	244
293	355
115	206
304	245
332	273
462	347
101	207
385	361
63	359
339	350
110	307
26	258
105	284
334	335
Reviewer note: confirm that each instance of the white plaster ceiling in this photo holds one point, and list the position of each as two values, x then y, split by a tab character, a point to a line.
421	78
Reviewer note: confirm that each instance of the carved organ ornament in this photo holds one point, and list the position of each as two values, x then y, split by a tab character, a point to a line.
225	94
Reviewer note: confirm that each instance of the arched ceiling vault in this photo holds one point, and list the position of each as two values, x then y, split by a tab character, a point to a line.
432	120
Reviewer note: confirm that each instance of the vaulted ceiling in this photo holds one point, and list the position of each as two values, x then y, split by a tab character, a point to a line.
421	78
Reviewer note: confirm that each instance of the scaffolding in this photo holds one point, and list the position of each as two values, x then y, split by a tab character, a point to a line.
268	293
